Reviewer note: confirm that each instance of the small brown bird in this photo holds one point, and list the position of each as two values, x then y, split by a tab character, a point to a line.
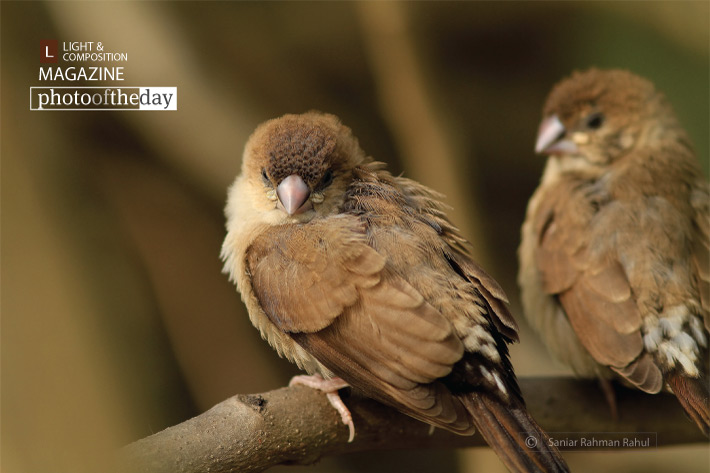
358	277
614	262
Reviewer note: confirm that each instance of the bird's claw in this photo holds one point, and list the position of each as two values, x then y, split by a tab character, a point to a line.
330	387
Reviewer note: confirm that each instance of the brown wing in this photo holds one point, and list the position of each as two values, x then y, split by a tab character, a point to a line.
330	291
643	373
393	346
592	288
491	292
305	277
432	212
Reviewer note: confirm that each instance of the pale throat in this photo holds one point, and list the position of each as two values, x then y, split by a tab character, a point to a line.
559	166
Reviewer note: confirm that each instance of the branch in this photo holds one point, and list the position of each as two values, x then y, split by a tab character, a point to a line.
297	425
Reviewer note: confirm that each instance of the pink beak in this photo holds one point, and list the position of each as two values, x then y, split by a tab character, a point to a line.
293	194
549	138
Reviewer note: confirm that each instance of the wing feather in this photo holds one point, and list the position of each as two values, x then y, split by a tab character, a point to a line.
430	210
331	292
592	287
304	277
643	373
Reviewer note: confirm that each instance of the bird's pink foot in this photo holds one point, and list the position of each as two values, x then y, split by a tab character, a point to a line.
330	387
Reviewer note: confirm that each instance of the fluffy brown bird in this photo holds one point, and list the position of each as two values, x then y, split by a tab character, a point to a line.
358	277
614	262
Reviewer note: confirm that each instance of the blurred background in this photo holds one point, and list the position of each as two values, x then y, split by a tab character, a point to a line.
116	319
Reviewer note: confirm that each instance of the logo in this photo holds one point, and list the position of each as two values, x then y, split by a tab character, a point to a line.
68	68
48	51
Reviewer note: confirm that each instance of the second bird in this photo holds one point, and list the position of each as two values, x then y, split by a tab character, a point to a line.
614	261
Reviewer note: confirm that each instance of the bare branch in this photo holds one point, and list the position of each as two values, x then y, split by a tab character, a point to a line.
297	425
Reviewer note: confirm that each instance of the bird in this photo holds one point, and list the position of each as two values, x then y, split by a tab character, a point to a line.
614	265
358	277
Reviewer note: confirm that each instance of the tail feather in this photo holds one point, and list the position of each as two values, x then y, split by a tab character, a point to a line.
694	395
518	440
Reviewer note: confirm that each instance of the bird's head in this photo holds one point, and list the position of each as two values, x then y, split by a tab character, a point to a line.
601	115
298	167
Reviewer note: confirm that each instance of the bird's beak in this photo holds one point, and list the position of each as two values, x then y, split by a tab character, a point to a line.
293	194
549	138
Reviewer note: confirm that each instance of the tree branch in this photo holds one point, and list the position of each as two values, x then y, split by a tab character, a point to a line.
297	425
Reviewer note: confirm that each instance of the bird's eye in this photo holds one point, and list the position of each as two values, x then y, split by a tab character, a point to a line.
326	180
595	121
265	178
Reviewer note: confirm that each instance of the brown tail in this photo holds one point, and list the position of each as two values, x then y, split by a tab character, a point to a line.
693	394
515	436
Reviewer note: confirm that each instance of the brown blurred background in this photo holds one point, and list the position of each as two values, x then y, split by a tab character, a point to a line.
116	319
